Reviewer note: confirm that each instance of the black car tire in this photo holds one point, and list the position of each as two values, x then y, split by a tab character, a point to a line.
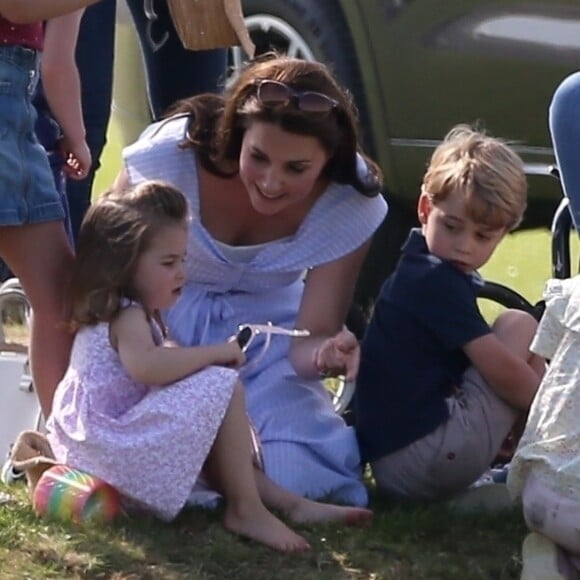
321	26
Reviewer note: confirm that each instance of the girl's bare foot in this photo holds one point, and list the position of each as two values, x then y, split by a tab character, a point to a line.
260	525
307	511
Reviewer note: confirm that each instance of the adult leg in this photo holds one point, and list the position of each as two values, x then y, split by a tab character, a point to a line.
41	257
564	121
305	511
95	50
174	73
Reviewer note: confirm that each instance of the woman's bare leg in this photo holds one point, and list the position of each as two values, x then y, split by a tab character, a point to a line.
230	469
41	257
303	511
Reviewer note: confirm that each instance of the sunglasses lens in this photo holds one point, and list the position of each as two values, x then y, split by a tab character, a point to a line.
315	103
273	93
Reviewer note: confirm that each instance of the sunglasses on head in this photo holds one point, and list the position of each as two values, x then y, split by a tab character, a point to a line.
276	93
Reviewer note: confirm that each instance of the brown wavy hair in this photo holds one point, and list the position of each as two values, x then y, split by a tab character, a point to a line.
218	122
115	231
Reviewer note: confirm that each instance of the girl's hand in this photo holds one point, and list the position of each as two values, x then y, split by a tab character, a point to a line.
77	158
229	354
339	355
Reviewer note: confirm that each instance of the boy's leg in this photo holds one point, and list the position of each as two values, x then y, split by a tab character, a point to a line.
564	117
41	257
516	329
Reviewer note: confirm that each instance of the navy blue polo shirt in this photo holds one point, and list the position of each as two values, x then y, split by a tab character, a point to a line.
411	355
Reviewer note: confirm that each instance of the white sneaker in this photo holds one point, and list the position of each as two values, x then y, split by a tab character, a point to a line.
9	475
540	559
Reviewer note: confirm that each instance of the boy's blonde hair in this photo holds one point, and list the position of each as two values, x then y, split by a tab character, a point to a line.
485	170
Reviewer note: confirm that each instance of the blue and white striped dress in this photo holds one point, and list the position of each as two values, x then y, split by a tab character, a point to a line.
307	448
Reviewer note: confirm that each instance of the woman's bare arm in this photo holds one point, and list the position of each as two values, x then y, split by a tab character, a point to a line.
327	297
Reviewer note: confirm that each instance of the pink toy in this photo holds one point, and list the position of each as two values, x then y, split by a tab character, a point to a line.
71	495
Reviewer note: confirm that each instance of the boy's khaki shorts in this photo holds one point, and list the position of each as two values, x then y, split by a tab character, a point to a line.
457	453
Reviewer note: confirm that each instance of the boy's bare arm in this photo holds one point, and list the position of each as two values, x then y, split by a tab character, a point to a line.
27	11
62	87
510	376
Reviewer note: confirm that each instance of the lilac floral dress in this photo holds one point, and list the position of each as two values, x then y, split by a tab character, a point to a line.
150	443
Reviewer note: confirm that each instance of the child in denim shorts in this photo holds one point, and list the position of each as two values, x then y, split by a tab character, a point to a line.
33	239
439	388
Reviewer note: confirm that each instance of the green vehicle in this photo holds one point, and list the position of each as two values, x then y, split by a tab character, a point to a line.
417	67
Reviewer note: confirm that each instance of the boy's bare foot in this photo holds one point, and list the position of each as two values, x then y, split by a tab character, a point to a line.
307	511
260	525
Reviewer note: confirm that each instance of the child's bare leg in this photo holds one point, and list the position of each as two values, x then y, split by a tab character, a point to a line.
230	469
302	510
40	255
516	329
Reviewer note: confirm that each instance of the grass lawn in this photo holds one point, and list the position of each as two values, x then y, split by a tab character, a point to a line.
403	542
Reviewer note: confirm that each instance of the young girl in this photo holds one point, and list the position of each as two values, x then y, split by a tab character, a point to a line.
147	416
545	471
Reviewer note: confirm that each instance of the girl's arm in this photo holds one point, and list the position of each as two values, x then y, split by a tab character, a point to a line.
156	365
62	88
328	294
28	11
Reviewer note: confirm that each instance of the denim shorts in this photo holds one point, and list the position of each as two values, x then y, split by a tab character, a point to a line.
27	190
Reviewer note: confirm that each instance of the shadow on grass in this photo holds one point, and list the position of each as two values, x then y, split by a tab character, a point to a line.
404	542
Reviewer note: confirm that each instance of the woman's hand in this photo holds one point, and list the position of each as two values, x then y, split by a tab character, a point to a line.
339	355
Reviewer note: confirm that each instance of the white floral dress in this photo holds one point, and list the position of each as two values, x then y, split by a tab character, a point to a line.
550	446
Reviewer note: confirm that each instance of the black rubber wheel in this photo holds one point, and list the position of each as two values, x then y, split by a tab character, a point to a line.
384	253
509	298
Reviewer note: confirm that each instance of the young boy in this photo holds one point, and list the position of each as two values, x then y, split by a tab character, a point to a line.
438	388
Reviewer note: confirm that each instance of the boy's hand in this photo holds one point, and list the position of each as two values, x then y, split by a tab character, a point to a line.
77	158
339	355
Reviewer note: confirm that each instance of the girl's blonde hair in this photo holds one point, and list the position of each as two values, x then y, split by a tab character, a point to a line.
115	232
485	171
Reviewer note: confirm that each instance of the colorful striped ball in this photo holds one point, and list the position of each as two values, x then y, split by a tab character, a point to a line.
72	495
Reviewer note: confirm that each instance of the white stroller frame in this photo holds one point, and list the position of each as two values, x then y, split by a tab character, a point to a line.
19	406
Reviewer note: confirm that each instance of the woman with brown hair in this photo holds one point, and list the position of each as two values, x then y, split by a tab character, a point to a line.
274	170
